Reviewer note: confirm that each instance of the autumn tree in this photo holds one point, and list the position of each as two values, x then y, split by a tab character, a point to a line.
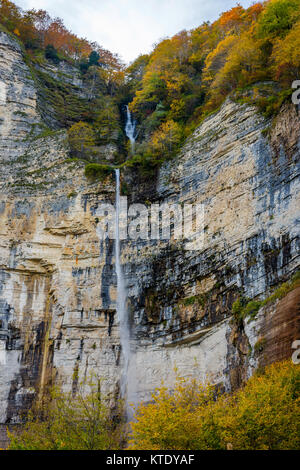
166	138
263	415
40	21
243	65
217	58
254	11
10	15
231	20
174	419
136	69
63	421
286	55
82	139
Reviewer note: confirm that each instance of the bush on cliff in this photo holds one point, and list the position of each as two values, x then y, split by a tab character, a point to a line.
96	171
262	415
67	422
81	139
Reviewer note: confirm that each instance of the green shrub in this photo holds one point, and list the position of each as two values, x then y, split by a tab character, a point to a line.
199	299
243	308
284	289
251	308
51	54
67	422
97	171
278	17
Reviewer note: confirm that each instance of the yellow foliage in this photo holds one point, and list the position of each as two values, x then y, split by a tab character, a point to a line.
265	414
81	138
217	58
286	52
171	421
243	66
166	138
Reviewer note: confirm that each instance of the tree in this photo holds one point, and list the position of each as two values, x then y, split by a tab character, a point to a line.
166	138
94	58
263	415
67	422
84	66
286	55
107	119
136	69
153	91
243	65
51	54
278	17
81	139
10	15
217	58
174	418
232	19
41	20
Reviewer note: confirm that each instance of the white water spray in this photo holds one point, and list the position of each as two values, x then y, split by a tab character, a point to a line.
130	129
126	381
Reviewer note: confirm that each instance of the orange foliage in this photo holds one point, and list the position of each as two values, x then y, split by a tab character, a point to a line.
37	29
233	18
254	11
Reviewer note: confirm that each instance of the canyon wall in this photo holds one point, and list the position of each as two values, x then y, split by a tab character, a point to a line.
58	319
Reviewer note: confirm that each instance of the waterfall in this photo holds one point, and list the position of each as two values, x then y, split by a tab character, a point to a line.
121	307
130	129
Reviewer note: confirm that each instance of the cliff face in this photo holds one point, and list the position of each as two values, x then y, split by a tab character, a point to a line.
57	281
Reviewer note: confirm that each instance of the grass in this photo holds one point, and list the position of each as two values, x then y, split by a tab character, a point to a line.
200	299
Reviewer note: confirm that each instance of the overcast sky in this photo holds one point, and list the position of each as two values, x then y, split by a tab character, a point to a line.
131	27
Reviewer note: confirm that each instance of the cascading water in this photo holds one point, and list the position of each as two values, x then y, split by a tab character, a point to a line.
126	382
130	129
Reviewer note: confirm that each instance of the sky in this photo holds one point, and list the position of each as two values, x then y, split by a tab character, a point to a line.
131	27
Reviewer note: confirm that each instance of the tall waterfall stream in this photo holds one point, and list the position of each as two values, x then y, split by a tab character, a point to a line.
127	381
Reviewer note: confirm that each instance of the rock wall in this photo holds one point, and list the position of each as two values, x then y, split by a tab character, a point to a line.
58	317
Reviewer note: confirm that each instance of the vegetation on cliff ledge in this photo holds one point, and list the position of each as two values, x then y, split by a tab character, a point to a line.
244	308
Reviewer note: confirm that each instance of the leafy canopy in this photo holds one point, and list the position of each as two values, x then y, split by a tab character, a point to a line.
63	421
264	415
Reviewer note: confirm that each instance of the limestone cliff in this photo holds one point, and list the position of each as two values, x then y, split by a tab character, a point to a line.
57	281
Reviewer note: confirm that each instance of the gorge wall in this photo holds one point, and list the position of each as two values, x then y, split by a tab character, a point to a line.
57	280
